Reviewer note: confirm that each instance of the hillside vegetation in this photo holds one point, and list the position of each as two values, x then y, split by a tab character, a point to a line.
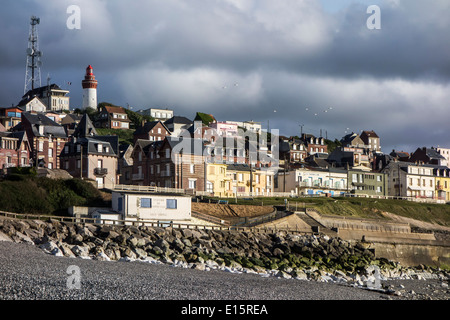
40	195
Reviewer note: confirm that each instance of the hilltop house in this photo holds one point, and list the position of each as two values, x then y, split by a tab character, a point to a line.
112	117
372	140
176	125
152	131
52	97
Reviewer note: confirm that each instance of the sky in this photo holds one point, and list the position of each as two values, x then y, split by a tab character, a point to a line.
309	66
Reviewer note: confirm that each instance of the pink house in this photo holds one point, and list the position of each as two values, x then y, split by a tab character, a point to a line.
225	129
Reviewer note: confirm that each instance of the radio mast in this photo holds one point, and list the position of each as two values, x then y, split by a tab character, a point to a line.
33	67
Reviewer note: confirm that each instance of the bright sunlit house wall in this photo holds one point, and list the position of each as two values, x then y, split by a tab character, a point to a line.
135	205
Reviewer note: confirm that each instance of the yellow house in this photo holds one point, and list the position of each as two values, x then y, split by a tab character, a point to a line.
443	188
245	181
218	182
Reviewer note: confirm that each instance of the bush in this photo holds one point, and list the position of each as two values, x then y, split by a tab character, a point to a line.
42	195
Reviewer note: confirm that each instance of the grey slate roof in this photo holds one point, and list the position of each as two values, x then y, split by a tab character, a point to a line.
85	128
50	126
179	120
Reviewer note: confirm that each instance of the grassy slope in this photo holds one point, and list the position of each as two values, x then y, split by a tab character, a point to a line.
364	208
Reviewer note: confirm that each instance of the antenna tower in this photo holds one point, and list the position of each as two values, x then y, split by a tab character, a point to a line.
33	67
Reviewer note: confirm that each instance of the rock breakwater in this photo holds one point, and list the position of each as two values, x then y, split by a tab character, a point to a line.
280	254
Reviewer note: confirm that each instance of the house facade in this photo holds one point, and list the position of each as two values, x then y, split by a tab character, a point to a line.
407	179
14	150
52	97
372	140
10	116
445	152
314	144
428	156
112	118
135	205
367	183
46	137
306	182
91	158
442	183
152	131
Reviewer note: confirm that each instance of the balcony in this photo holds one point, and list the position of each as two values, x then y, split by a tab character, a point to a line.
100	171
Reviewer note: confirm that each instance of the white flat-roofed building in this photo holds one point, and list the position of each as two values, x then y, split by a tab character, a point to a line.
150	206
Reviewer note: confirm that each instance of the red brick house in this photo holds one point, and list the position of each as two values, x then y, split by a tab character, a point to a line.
112	118
46	138
313	144
14	150
172	163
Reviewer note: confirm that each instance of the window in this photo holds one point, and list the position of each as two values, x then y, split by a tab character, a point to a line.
241	177
100	148
99	163
354	177
171	204
167	153
50	153
50	165
66	164
192	168
209	187
192	184
78	164
146	203
41	146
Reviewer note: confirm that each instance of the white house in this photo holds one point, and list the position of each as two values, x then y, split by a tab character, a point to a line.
313	182
407	179
139	205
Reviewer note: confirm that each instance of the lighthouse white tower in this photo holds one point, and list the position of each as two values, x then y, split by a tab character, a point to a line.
89	89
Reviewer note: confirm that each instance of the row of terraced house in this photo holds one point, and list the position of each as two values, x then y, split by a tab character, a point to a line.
219	158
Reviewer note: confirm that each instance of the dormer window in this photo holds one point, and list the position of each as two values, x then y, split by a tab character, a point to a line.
100	148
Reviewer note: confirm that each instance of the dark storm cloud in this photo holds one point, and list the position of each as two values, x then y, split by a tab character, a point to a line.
270	55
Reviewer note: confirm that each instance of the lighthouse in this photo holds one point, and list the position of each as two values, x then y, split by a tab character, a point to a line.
89	89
